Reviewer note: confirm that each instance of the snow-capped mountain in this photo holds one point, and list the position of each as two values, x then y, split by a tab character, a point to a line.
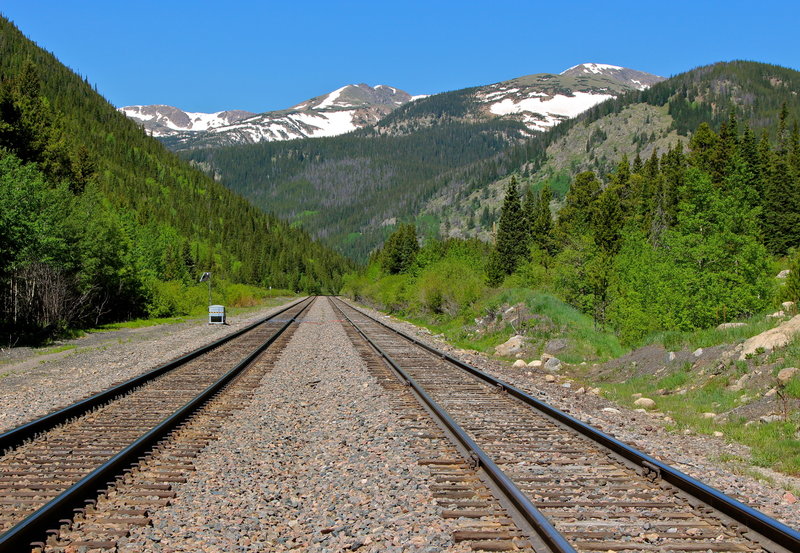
163	120
543	100
538	101
346	109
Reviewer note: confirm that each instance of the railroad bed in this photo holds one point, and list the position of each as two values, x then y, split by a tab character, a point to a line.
53	465
592	496
505	472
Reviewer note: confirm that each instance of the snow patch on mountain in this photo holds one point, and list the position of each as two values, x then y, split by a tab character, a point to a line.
542	111
330	124
330	99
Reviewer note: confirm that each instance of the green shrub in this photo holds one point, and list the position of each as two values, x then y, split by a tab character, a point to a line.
166	299
449	286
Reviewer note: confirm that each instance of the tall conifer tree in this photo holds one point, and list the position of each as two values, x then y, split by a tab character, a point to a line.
511	245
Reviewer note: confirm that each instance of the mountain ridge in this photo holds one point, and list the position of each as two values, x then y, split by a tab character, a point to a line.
343	110
539	101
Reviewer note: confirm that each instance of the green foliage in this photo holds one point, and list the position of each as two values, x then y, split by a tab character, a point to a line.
712	268
446	278
791	290
449	286
792	388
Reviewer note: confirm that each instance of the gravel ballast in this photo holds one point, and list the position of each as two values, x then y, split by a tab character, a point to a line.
315	463
696	455
33	385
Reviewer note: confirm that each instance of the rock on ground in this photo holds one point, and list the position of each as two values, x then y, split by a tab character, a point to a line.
510	347
773	338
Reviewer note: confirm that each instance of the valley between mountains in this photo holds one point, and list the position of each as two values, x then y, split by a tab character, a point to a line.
620	249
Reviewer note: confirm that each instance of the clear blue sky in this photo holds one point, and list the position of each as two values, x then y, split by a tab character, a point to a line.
265	55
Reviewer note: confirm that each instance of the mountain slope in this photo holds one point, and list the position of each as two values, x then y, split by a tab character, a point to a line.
352	190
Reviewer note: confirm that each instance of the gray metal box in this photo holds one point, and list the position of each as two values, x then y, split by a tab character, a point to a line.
216	315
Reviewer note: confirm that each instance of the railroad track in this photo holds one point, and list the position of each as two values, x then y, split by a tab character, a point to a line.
570	487
57	465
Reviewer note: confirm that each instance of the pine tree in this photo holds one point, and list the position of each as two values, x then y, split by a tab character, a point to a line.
781	197
702	148
511	244
529	207
574	218
400	249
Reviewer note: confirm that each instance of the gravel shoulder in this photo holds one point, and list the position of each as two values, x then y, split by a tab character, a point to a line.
696	455
98	361
317	462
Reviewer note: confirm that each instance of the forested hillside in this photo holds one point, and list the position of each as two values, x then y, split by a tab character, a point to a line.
99	222
684	240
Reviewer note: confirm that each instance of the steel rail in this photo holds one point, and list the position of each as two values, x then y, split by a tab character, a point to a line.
545	530
16	436
61	507
768	527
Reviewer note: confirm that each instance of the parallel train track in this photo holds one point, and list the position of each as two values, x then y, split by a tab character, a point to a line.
54	466
571	487
567	486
